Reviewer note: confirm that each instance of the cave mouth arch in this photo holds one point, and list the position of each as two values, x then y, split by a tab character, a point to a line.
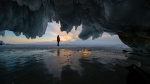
119	17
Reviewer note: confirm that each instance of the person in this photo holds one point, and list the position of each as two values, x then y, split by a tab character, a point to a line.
58	40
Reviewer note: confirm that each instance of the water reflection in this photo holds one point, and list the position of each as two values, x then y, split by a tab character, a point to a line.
85	54
69	76
137	75
18	69
144	61
139	72
61	66
58	52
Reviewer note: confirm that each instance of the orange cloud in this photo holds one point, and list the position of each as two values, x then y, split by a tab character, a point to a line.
16	40
72	36
105	35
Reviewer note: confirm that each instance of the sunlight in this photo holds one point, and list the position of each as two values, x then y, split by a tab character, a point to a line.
85	53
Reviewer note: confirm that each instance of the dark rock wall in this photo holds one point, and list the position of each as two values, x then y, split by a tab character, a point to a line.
137	40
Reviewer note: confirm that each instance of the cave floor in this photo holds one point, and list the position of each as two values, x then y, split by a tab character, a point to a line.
67	66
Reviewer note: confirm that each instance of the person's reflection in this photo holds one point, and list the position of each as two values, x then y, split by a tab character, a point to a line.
58	52
137	76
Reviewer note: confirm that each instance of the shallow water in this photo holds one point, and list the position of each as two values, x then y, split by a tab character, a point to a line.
65	66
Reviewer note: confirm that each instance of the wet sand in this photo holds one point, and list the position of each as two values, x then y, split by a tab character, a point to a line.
67	65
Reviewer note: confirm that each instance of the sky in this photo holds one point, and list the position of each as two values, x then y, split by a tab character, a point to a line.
53	29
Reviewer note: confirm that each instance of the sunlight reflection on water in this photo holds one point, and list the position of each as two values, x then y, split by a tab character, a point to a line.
62	63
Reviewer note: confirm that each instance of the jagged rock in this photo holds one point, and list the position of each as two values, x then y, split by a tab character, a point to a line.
137	40
31	17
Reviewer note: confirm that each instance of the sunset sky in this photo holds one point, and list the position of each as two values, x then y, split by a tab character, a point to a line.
53	29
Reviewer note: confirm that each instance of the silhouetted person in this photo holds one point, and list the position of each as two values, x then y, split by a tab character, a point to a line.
58	40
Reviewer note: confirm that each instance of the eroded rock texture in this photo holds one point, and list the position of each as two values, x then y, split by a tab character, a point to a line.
30	17
138	40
